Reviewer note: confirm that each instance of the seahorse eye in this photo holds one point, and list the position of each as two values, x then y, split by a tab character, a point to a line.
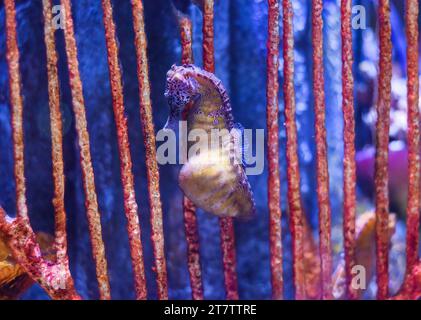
178	88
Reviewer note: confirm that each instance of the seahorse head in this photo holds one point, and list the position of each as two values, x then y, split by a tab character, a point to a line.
181	89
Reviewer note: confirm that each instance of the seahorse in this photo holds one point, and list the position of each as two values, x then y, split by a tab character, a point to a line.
214	179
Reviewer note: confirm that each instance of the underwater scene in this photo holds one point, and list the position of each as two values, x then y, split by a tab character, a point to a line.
209	149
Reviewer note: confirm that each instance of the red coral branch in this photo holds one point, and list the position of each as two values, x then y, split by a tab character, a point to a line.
55	277
150	147
130	205
382	150
193	252
414	163
411	289
17	108
208	37
91	202
293	170
272	109
56	137
229	257
349	166
186	39
321	150
312	265
189	210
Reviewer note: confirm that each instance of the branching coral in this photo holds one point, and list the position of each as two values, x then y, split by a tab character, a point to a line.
54	277
411	289
17	109
127	181
149	142
321	150
382	150
349	167
193	252
208	39
414	159
56	138
272	110
293	170
91	202
14	281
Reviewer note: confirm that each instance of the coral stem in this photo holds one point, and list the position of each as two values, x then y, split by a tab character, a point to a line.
414	163
411	289
208	36
56	137
229	257
189	210
185	26
272	110
17	109
349	166
193	252
382	150
130	204
150	148
293	170
321	150
54	278
91	202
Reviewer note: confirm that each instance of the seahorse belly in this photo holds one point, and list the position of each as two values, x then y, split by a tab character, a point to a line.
217	185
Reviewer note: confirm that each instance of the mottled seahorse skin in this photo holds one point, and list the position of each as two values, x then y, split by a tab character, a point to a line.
210	178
